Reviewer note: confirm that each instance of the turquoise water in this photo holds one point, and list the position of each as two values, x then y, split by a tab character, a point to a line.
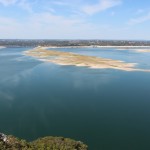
107	109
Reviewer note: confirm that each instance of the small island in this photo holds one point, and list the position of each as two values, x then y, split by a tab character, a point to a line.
68	58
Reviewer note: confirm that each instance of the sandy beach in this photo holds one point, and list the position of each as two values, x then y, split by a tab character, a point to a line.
68	58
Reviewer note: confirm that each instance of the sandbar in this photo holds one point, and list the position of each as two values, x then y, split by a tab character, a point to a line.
69	58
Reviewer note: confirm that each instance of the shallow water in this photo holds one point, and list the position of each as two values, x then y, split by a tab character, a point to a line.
107	109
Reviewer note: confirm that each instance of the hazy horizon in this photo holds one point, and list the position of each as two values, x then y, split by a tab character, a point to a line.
75	39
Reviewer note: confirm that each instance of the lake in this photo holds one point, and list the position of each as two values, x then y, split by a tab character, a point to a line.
105	108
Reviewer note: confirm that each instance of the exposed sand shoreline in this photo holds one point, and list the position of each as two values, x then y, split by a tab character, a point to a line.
1	47
136	50
143	50
68	58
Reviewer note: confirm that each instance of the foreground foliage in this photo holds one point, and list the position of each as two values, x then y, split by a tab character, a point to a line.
46	143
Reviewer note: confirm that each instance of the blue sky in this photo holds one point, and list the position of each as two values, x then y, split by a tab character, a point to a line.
78	19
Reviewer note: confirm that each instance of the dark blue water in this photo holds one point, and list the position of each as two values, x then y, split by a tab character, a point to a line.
107	109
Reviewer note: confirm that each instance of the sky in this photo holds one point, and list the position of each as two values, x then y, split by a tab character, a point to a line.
75	19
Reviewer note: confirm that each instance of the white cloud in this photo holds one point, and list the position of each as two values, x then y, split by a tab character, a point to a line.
42	25
100	6
7	22
8	27
139	20
46	25
8	2
24	4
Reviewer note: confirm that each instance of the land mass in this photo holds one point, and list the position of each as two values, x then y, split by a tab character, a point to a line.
72	43
68	58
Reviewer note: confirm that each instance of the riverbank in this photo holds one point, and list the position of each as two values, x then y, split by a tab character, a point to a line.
68	58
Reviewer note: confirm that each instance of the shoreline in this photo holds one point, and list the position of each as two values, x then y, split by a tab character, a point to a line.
95	46
69	58
136	50
91	46
1	47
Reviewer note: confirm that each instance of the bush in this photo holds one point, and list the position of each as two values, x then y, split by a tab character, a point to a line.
46	143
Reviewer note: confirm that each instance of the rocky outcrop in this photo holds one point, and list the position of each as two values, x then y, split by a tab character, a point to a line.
3	137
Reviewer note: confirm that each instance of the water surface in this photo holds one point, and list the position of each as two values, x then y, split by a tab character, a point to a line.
107	109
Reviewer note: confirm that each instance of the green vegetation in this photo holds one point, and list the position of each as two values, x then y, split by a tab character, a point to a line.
70	43
58	143
46	143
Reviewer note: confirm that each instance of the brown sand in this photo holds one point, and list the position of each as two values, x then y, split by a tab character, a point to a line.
68	58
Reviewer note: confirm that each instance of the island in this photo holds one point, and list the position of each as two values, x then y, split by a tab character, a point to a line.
69	58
